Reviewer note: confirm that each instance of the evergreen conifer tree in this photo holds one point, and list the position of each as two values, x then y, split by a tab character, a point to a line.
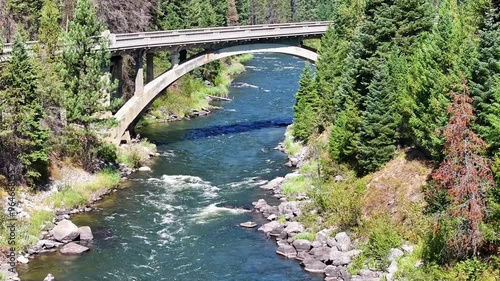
23	141
84	61
380	120
305	105
49	32
485	84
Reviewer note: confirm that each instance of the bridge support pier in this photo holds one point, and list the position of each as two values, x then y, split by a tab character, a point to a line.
117	74
174	59
139	74
150	71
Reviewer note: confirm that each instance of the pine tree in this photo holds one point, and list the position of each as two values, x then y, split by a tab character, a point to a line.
380	120
232	13
485	84
305	106
85	56
48	34
465	174
200	13
23	141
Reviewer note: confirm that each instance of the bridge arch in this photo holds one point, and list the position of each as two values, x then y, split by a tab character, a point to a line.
131	110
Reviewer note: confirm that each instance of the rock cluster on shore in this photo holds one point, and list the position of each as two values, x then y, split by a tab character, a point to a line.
329	252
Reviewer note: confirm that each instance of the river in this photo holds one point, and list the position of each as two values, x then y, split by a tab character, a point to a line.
180	222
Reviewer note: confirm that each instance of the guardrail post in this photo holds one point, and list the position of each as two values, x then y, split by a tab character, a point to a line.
139	76
150	71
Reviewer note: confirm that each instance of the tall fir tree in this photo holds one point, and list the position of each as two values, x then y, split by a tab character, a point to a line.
84	62
305	106
485	84
23	140
49	32
380	120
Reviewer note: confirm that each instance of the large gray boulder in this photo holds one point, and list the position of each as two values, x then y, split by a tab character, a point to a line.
275	183
294	227
289	209
259	204
395	254
65	230
315	266
323	236
73	249
338	258
343	241
321	253
268	227
85	233
287	251
302	245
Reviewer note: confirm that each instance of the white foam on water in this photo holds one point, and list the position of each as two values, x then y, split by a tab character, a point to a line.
212	211
246	183
231	110
177	183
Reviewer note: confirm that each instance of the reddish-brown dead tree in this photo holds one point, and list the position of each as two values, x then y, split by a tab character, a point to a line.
465	174
232	13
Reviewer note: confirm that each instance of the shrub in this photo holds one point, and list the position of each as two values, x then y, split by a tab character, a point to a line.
382	237
341	202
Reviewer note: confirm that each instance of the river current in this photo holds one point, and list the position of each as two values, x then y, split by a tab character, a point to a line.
180	222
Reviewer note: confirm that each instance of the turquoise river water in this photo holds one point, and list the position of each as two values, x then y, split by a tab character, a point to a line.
180	222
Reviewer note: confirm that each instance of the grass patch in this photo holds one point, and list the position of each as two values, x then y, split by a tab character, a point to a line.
135	155
292	147
295	186
79	196
191	92
305	236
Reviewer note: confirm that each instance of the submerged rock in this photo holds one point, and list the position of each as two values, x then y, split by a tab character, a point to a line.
145	169
73	249
248	224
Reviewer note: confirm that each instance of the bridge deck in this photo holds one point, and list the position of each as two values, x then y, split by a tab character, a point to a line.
205	37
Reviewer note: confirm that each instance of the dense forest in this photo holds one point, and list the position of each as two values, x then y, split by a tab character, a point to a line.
422	74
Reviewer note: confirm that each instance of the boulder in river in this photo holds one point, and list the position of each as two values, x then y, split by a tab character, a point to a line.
65	230
23	260
302	245
315	266
287	251
275	183
145	169
85	233
73	249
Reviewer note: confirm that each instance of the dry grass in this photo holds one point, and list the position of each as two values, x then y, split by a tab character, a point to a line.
396	190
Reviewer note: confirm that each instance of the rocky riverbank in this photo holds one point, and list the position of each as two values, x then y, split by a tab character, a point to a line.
54	206
328	251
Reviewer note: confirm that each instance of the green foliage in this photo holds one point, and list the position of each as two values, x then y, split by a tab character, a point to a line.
23	144
305	236
340	202
292	147
295	186
48	34
305	106
382	237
